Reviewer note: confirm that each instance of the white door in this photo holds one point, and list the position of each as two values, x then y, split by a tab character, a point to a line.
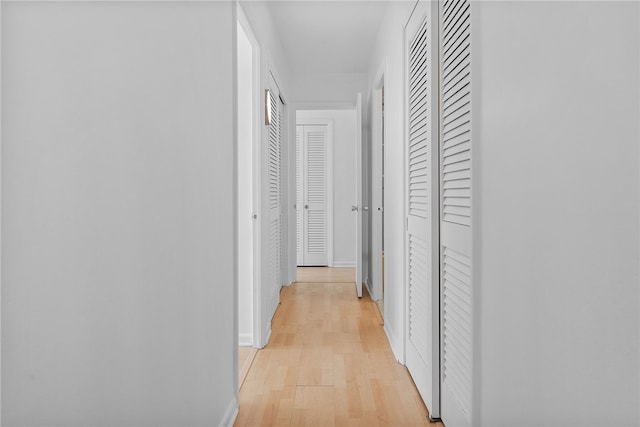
455	228
274	186
312	194
422	257
299	197
377	208
357	208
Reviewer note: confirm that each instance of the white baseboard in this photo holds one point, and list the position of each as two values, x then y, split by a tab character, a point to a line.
394	344
367	283
344	264
245	340
230	414
268	335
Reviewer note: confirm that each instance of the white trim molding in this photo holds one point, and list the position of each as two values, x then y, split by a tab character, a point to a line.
367	284
338	105
398	353
245	340
0	207
257	168
230	414
344	264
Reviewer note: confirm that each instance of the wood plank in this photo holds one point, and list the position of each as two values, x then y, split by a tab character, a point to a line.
313	406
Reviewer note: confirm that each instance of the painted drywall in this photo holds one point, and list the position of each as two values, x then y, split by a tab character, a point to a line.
329	87
245	188
557	212
118	214
344	181
389	45
259	16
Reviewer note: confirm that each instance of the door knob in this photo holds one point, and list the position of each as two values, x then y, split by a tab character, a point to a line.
306	206
354	208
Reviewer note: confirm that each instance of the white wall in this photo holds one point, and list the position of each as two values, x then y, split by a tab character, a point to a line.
259	16
344	181
329	87
557	168
390	45
245	188
118	214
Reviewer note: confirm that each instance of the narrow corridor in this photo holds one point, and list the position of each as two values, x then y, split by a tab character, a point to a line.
328	363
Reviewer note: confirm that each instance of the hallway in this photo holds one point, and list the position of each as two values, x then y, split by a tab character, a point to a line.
328	363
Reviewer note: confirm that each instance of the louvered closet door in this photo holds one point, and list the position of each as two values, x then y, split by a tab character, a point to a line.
422	198
456	162
299	196
274	197
315	195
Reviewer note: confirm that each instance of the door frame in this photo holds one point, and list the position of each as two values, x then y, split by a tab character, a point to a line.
359	206
287	168
293	184
257	116
329	180
377	160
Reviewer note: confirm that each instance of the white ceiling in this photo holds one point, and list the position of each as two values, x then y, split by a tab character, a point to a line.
328	36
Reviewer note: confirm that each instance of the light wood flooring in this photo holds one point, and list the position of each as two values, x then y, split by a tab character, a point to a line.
245	359
326	275
328	363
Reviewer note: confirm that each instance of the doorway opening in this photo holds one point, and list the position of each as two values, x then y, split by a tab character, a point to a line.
247	177
325	183
380	301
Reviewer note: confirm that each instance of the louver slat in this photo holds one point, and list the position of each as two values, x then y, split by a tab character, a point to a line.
456	112
316	191
418	295
274	165
419	124
274	156
457	329
316	167
316	232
